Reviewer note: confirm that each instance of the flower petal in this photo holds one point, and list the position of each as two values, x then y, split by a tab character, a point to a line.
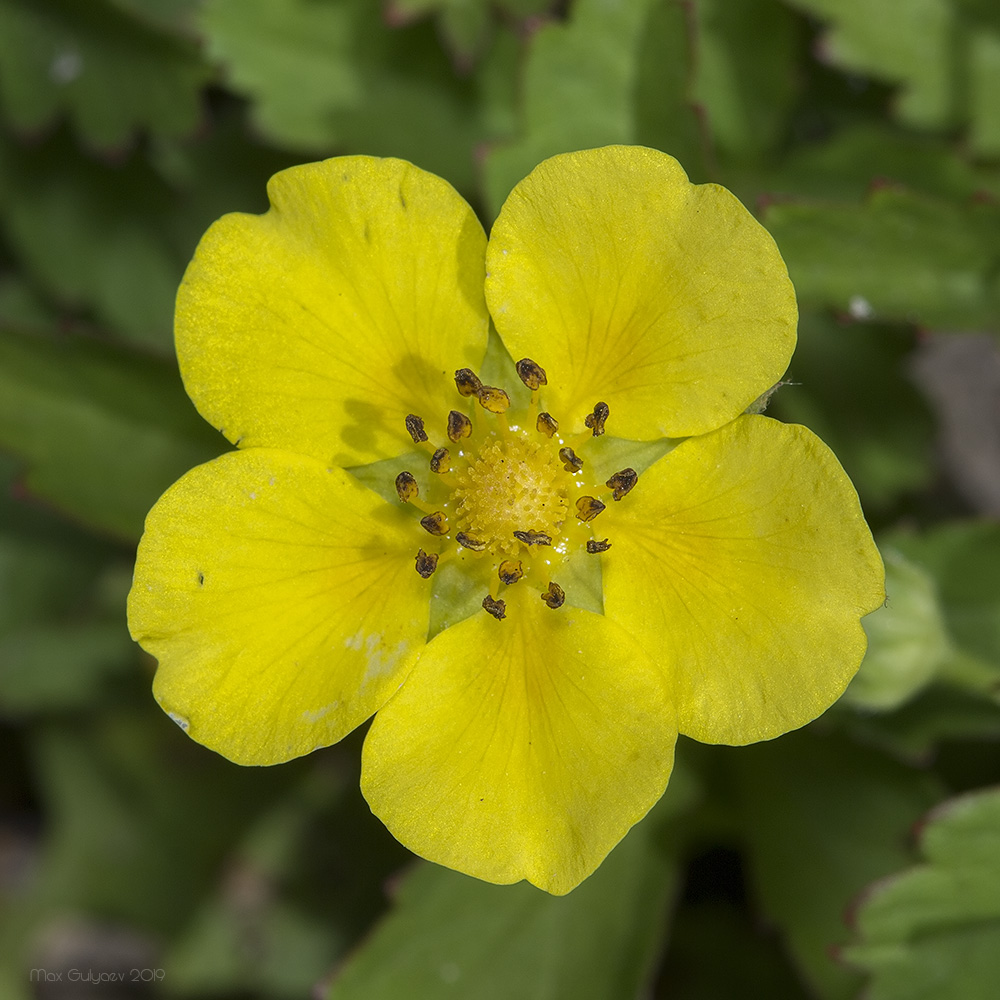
632	286
524	748
281	600
320	325
744	559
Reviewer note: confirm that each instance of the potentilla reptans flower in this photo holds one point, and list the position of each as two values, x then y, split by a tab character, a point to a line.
537	558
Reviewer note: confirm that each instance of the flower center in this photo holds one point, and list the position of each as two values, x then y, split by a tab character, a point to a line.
514	495
513	485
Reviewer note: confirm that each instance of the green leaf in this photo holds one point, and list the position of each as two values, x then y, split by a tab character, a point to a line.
933	931
292	57
450	935
847	165
847	383
903	41
127	798
93	235
62	634
963	559
110	73
823	817
103	432
746	90
665	116
578	89
938	714
900	256
984	85
907	639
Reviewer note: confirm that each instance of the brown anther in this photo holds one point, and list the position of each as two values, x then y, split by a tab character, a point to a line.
496	608
594	546
546	424
571	463
426	563
587	508
554	596
530	374
406	487
468	382
416	428
595	420
622	483
441	461
493	399
468	542
459	426
436	523
533	537
510	571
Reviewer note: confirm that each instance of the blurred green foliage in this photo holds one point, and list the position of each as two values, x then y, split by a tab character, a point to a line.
867	136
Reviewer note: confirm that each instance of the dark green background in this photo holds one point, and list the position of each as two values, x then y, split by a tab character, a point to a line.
865	135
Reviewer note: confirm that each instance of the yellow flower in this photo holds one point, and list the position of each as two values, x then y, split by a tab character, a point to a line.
529	686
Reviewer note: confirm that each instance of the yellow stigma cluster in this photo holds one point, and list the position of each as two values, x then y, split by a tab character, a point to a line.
517	496
514	484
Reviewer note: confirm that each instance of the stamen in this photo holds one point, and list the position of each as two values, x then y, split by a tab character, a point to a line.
436	523
467	541
622	483
497	608
587	508
534	537
426	563
510	571
571	463
441	461
594	546
416	428
406	487
531	374
554	596
493	399
595	420
459	426
468	382
546	424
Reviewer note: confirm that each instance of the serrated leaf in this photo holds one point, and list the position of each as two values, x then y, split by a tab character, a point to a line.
453	936
904	41
847	382
906	257
823	818
294	58
102	432
907	639
577	89
933	932
110	73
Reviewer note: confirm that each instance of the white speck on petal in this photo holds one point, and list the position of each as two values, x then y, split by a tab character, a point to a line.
319	713
180	720
253	496
860	308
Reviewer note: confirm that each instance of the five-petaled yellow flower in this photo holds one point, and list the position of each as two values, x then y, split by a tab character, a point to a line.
536	576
